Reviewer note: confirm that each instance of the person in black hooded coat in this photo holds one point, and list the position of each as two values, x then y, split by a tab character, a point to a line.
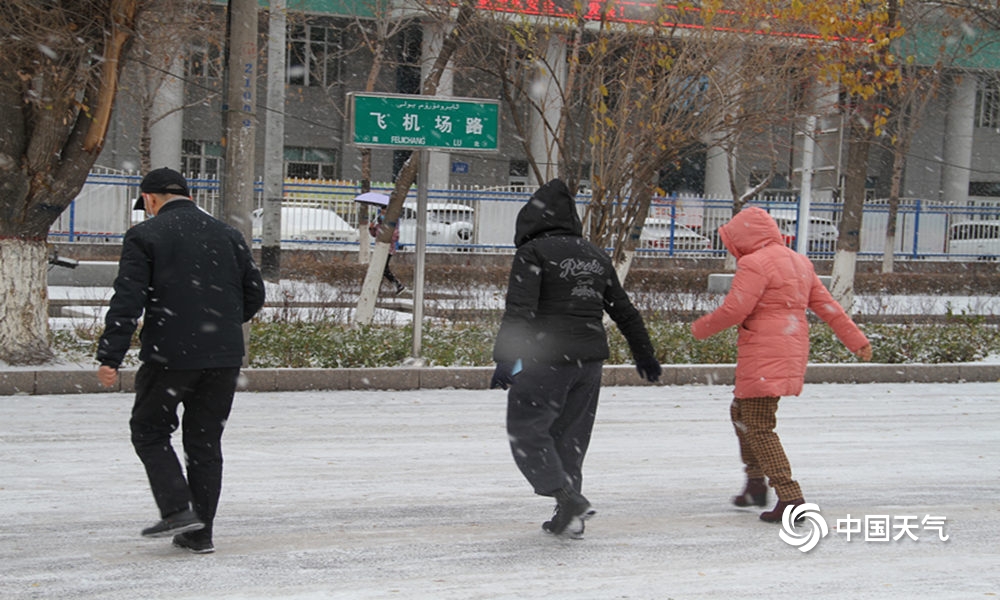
552	345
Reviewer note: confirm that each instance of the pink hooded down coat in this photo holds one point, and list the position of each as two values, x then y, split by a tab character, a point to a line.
771	290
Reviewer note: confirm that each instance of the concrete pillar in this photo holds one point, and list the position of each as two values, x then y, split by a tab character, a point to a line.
434	32
820	142
717	157
716	171
274	143
167	119
959	123
546	96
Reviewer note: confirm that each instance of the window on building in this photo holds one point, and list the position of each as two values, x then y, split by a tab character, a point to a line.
517	173
201	159
984	188
518	168
310	163
313	55
988	103
204	62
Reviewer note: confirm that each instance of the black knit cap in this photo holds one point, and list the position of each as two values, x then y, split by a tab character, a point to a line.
162	181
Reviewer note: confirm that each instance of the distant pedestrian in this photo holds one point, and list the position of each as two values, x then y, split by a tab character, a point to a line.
195	279
373	228
771	290
551	347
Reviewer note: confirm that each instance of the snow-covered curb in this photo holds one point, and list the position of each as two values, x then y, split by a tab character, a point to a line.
84	380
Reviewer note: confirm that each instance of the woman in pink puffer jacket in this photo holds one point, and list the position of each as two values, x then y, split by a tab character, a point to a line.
771	290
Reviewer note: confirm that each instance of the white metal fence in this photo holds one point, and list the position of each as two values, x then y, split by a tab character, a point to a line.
482	220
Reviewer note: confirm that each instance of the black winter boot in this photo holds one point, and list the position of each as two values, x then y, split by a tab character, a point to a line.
572	509
774	515
753	494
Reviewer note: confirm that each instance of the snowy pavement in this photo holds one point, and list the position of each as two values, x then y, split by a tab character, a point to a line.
370	495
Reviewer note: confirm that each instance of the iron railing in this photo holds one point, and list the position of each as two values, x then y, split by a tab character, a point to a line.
473	219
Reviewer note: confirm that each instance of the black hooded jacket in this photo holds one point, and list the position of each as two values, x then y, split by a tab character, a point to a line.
196	281
560	286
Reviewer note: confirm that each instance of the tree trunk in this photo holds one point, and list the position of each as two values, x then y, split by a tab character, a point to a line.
24	324
898	161
842	280
364	241
55	108
622	267
849	240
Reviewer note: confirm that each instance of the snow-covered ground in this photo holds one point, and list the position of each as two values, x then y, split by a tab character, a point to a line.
371	495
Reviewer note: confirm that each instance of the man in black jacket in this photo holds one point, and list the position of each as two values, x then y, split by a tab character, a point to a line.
551	347
196	281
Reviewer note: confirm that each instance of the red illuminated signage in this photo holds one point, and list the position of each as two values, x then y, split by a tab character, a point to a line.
638	13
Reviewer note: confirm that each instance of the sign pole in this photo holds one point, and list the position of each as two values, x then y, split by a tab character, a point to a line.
421	252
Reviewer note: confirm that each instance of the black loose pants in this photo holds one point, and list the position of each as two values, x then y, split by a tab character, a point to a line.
207	396
550	416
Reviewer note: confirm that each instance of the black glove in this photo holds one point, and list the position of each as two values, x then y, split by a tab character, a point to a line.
649	368
502	376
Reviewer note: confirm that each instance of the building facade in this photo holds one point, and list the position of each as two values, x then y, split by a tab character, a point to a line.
954	157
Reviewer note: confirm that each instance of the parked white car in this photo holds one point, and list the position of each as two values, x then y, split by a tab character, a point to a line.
309	224
823	233
656	233
447	224
974	240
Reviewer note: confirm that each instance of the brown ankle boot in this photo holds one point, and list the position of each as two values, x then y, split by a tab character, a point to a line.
754	494
774	515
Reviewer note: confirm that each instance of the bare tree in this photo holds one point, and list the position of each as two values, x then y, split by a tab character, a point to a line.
59	75
635	97
376	35
879	93
921	80
408	174
853	48
985	14
909	100
165	35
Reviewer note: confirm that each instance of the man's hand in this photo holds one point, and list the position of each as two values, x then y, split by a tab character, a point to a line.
108	376
502	377
864	353
649	368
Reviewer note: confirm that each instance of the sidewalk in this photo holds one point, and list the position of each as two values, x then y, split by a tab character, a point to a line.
84	380
365	495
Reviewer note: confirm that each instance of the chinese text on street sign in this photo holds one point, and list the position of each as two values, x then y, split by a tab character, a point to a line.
436	122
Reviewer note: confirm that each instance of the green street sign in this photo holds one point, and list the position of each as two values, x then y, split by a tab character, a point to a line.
436	122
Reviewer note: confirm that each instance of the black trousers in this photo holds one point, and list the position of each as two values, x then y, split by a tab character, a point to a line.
550	416
207	396
389	276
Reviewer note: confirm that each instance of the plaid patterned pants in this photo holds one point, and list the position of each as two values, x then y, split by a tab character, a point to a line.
760	447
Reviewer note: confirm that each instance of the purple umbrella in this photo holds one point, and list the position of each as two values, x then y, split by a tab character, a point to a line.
373	198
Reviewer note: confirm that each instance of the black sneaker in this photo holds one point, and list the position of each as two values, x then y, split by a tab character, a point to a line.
193	545
572	510
179	522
